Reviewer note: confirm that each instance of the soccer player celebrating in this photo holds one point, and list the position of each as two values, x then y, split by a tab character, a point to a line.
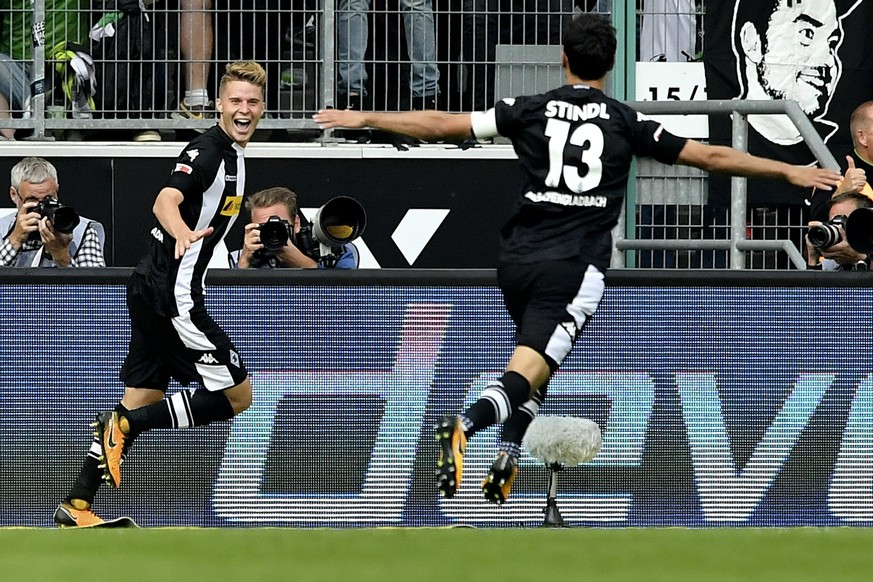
576	146
172	335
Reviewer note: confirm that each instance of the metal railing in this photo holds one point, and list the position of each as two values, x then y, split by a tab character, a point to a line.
737	244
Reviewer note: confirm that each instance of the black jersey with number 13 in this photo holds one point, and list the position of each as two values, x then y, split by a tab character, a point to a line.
576	146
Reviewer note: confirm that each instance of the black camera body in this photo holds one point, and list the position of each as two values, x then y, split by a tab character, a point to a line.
827	234
63	219
274	233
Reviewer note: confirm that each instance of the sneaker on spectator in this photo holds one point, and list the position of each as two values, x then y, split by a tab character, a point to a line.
302	37
351	100
147	135
421	103
292	78
195	113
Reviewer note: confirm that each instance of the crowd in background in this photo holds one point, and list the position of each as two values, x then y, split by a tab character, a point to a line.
157	60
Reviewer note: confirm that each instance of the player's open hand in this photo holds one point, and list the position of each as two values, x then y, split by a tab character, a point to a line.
813	177
184	242
331	118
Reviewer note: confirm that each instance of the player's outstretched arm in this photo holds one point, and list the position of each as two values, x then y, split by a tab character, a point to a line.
725	160
424	125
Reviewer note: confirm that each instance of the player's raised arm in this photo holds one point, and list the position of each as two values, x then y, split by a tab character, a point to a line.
424	125
725	160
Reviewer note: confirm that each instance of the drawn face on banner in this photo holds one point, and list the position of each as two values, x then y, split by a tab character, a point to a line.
790	52
798	59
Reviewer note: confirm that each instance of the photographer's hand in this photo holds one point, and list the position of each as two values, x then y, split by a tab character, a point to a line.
26	223
291	256
57	244
813	256
842	252
251	244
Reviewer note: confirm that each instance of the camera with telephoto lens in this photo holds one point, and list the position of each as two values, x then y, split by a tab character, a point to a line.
827	234
274	233
63	219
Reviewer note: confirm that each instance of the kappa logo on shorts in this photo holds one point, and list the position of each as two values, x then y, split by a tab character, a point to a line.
207	358
570	328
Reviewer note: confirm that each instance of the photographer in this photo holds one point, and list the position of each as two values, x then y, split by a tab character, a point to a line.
44	232
826	244
273	210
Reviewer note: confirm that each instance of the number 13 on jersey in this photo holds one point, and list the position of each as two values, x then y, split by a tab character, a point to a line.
579	175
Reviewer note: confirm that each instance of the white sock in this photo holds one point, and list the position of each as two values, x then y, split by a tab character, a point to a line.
196	97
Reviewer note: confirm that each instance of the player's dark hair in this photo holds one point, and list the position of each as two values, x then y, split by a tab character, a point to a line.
590	44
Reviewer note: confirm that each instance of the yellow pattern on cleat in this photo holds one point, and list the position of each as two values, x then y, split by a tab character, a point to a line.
450	465
68	516
498	482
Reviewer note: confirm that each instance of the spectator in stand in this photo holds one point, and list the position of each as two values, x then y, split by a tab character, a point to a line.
65	20
195	45
859	163
488	23
352	39
669	31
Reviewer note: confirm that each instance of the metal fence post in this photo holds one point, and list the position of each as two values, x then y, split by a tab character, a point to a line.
37	84
739	190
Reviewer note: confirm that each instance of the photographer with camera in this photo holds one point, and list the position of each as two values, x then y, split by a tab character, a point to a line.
44	232
276	237
826	244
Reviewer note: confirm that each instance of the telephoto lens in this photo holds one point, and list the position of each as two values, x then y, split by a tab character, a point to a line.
822	236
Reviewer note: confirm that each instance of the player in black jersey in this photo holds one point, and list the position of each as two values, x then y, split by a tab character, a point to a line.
172	335
575	145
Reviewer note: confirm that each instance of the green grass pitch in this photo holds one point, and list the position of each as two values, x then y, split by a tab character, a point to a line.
438	554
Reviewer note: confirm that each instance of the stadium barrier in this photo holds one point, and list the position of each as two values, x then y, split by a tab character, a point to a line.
720	396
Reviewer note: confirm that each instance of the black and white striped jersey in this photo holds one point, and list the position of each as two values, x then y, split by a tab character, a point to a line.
575	145
210	173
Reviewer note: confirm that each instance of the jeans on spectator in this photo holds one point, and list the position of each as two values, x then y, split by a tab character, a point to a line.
488	23
14	82
352	41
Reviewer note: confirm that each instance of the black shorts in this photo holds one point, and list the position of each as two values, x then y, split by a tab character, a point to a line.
550	303
189	348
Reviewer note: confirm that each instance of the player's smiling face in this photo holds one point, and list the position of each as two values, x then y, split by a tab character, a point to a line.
241	106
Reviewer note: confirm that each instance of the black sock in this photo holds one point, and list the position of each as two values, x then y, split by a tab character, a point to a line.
183	409
498	401
90	475
516	426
